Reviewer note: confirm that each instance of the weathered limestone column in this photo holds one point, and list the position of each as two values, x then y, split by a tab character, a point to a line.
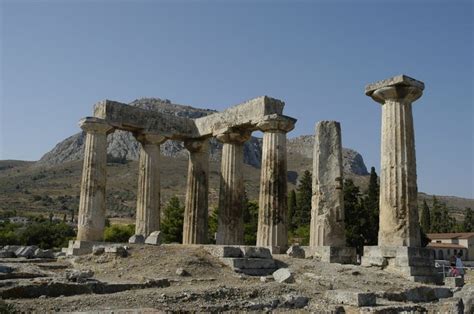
148	194
272	218
399	224
230	228
399	246
196	207
327	210
91	218
327	232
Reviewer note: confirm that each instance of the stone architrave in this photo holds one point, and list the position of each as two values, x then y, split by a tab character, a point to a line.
91	220
196	207
272	218
230	228
327	210
399	224
148	194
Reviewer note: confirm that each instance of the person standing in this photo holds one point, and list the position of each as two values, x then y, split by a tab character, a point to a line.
459	265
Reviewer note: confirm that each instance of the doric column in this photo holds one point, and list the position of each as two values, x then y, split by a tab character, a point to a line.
327	210
196	207
231	194
91	218
399	224
148	194
272	218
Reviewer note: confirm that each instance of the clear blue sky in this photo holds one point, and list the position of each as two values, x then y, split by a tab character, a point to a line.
60	57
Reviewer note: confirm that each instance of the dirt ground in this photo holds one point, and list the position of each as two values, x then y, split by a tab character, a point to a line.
210	285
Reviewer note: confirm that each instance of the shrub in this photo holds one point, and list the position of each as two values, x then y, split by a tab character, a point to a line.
47	235
118	233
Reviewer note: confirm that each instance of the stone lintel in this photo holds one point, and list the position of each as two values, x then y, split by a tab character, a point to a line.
246	114
399	80
134	119
95	125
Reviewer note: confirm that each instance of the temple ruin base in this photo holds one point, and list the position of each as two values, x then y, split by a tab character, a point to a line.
414	263
335	254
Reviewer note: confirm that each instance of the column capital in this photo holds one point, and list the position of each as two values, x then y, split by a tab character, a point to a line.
233	136
95	125
399	88
148	138
196	145
276	123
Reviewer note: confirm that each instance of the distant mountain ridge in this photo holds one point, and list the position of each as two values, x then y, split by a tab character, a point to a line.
122	144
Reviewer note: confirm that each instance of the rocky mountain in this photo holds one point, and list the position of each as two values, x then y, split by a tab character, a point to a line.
123	145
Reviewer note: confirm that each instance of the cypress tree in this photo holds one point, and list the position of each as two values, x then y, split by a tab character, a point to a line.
371	210
425	220
172	224
354	221
468	225
302	214
291	209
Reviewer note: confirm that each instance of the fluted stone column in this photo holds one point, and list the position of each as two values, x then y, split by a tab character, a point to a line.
230	228
196	207
399	225
148	194
91	220
272	217
327	210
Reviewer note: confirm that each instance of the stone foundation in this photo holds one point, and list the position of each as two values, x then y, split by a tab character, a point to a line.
77	247
415	263
335	254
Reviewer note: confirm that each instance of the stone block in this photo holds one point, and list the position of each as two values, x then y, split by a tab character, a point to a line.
39	253
7	254
98	249
402	80
154	238
351	298
116	250
257	252
296	251
77	247
137	239
454	282
333	254
224	251
250	263
26	251
255	271
283	275
6	269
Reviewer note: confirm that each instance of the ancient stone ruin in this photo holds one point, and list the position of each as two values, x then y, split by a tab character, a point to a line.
327	233
399	246
232	127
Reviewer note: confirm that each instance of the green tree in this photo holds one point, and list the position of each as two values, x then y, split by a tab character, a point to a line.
250	222
172	224
354	218
370	212
118	233
213	223
291	210
302	214
441	221
47	235
425	220
468	224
